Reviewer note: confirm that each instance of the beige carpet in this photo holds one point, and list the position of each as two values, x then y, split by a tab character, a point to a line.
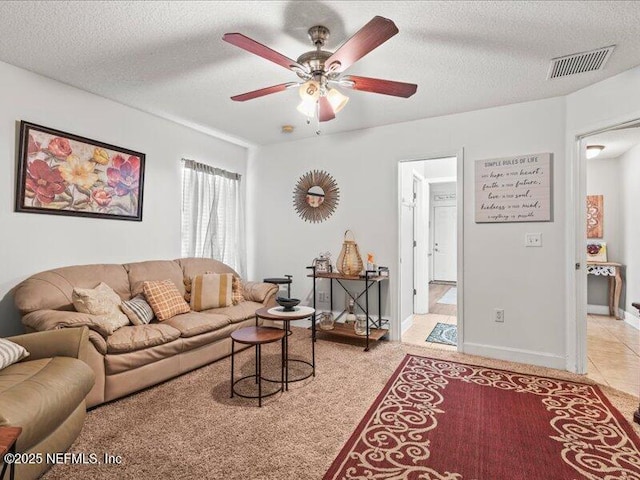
189	428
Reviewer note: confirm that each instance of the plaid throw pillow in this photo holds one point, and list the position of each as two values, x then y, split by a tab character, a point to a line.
138	310
237	288
165	299
211	290
11	353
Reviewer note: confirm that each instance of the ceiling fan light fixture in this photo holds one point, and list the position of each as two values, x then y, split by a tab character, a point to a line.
309	90
594	150
307	107
337	99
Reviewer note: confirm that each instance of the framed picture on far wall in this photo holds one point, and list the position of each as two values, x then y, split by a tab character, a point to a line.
64	174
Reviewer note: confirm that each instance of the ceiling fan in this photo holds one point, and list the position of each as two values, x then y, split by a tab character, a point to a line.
321	70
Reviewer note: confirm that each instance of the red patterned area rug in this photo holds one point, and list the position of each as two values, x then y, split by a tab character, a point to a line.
442	420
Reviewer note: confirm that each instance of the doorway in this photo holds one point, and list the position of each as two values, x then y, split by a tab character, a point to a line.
610	279
429	251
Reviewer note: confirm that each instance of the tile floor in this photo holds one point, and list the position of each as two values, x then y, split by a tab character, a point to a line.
423	324
613	350
613	346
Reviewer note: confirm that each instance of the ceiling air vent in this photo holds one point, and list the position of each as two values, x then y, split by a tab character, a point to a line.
579	62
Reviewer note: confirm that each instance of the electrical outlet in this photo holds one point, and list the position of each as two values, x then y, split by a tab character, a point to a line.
533	240
498	315
323	297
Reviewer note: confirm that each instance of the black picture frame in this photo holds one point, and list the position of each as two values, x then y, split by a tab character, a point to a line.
52	185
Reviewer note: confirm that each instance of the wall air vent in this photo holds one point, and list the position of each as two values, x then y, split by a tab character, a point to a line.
579	62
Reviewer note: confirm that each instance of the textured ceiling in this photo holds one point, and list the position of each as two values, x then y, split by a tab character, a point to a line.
616	142
168	58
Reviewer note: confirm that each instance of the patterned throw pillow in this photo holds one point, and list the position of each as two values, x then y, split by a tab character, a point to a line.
11	353
138	310
237	288
102	301
211	290
165	299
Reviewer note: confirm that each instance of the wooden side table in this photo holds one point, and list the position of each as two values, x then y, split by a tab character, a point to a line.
8	438
257	336
613	271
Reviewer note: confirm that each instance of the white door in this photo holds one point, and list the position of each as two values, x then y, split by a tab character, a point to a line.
444	244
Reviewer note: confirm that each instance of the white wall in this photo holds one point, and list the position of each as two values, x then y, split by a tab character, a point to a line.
499	271
603	178
30	243
629	181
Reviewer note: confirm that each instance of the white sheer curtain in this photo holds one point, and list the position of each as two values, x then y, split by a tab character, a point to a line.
212	215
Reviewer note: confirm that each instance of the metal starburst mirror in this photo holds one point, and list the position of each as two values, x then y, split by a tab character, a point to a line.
316	196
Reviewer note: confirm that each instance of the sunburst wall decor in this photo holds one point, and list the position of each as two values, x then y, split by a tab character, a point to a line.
316	196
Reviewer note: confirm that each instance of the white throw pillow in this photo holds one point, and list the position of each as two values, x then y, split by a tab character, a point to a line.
11	353
102	301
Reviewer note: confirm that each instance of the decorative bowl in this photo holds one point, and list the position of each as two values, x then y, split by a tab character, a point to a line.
287	304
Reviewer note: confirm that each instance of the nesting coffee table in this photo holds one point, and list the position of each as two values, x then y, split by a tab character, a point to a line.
277	314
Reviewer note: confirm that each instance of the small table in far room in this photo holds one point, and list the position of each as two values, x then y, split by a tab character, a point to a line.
276	314
613	271
8	438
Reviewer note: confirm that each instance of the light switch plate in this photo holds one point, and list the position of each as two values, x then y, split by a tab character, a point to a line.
533	240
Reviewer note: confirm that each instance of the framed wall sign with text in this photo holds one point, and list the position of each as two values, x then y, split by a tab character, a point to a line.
514	189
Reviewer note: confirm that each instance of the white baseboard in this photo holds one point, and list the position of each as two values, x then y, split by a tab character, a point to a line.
407	323
598	309
632	320
603	310
530	357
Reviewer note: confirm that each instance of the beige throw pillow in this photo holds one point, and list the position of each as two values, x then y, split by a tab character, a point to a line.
211	290
165	299
101	301
11	353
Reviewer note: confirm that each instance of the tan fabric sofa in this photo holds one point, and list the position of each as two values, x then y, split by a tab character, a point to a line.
45	394
136	357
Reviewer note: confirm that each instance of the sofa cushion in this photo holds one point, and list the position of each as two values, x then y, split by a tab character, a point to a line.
237	313
258	291
165	299
136	337
197	266
39	395
53	319
195	323
51	290
141	272
123	362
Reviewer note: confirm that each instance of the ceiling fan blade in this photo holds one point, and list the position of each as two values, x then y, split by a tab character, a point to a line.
376	85
246	43
243	97
326	111
369	37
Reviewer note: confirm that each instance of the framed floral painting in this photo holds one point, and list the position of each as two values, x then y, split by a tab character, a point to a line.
64	174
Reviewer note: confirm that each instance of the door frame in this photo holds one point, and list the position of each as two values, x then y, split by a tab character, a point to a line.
576	275
421	230
460	180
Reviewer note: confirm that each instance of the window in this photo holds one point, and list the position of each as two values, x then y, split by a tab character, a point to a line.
212	215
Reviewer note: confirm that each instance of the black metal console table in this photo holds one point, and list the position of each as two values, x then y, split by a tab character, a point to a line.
375	330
